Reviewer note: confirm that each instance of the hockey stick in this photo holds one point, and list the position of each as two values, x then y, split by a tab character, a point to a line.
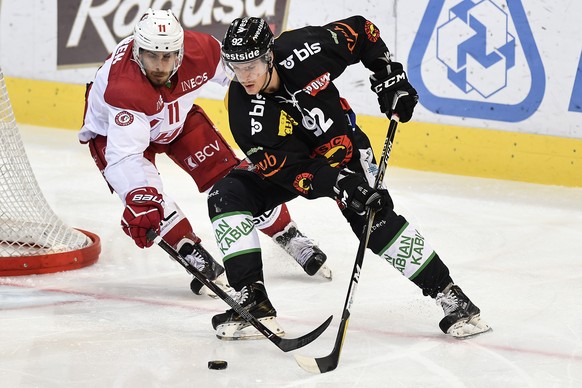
285	344
331	361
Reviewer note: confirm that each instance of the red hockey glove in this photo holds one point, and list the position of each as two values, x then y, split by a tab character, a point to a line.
143	211
388	80
354	192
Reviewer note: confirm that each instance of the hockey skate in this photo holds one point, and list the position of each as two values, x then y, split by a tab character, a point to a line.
303	250
199	257
462	318
230	326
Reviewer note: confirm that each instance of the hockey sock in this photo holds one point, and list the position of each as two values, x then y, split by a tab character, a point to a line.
175	226
273	221
408	252
178	231
238	242
434	278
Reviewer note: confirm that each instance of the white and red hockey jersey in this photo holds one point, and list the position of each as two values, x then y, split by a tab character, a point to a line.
124	106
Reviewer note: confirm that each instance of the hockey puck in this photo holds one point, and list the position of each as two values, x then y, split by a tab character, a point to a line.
217	364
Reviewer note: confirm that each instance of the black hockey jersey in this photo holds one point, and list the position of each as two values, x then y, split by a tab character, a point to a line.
299	136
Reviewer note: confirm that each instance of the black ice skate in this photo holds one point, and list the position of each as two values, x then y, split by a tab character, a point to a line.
462	318
199	257
230	326
303	250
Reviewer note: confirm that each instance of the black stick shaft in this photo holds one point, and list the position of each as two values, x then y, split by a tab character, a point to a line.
285	344
331	361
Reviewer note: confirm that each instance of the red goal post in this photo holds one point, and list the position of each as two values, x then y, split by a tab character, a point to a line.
33	239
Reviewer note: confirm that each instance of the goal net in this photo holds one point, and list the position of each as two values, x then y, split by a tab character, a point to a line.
33	239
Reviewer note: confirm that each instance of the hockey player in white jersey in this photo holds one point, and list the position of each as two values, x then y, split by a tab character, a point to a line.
141	103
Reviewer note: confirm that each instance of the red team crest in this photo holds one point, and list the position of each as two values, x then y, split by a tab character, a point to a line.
302	182
372	31
123	118
338	151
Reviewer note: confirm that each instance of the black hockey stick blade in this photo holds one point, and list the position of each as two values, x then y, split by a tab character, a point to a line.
331	361
285	344
288	344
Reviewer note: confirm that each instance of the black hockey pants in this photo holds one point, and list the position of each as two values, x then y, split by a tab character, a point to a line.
245	191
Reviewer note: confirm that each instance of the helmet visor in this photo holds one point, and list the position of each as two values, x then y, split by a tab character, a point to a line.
246	71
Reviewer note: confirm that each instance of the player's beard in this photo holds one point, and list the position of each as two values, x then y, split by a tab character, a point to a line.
158	78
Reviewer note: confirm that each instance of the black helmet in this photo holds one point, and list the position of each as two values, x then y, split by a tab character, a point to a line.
247	39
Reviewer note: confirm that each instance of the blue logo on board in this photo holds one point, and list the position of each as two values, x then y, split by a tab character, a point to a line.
464	57
576	100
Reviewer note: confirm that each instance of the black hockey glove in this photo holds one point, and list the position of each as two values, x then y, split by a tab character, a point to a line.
386	81
354	192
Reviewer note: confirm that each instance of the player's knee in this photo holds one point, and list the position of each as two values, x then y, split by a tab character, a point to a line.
227	195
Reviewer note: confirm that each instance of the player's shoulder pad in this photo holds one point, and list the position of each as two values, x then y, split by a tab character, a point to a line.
201	47
134	93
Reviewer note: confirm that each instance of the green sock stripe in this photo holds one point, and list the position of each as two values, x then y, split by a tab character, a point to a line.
240	253
394	239
223	215
432	255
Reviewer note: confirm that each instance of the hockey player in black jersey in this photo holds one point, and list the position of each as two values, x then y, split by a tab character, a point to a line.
288	118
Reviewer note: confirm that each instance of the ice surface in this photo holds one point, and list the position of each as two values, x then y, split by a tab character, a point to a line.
130	320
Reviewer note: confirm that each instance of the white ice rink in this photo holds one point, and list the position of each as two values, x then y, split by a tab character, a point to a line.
130	320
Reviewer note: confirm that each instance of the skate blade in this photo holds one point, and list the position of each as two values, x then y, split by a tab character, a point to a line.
235	331
469	328
325	272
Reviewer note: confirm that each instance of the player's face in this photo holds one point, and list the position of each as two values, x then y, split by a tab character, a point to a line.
158	65
251	75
